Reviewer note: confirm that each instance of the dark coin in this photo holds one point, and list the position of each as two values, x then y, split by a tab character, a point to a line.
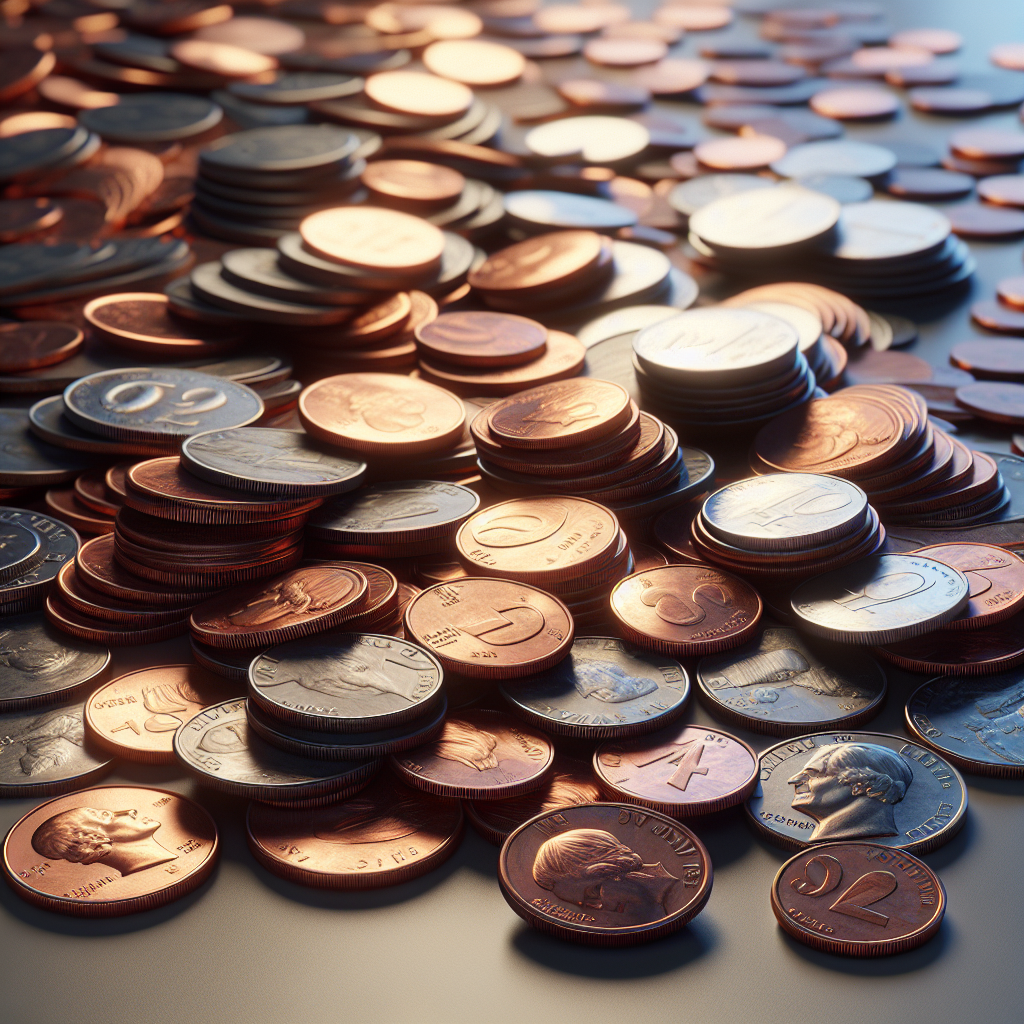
21	548
605	874
990	358
233	665
297	88
281	149
780	684
29	591
24	154
976	220
1003	189
999	401
28	346
928	183
844	188
824	787
152	117
996	317
20	218
604	688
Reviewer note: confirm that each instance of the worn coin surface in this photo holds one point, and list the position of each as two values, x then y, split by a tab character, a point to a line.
996	578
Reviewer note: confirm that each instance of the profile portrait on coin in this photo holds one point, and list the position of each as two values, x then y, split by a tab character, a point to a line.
769	671
165	701
310	591
993	719
850	789
122	840
607	682
591	868
362	820
378	407
31	652
352	674
47	742
465	743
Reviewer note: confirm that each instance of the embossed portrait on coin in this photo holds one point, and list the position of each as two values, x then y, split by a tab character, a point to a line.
44	743
365	820
609	683
166	702
851	790
123	840
590	868
312	589
378	407
374	511
834	429
975	713
29	651
763	674
465	743
351	674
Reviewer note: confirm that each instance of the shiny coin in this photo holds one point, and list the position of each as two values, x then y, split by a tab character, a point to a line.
554	259
999	401
222	58
546	209
480	338
152	117
28	346
21	548
855	104
860	159
30	462
418	93
990	358
739	154
30	590
594	139
413	181
474	62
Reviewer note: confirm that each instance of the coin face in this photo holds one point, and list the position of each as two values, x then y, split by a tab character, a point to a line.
482	338
350	682
386	835
781	684
480	755
685	771
826	787
605	874
604	688
490	629
110	851
30	462
540	262
21	548
858	899
881	599
28	346
995	576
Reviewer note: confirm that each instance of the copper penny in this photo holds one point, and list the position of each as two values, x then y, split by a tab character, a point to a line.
858	899
886	58
556	258
110	851
413	181
268	36
102	631
928	183
34	121
36	343
64	503
694	17
440	21
999	401
573	18
685	771
98	605
91	490
673	75
1010	292
987	144
489	628
996	317
975	220
474	62
990	358
605	874
686	609
306	600
385	835
136	715
855	104
222	58
381	413
1003	189
480	755
624	53
482	338
743	153
418	93
596	95
22	217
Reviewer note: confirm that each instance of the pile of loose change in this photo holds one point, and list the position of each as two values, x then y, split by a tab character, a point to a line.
466	387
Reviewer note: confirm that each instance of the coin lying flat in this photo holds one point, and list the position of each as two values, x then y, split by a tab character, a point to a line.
826	787
110	851
858	899
605	874
996	578
30	589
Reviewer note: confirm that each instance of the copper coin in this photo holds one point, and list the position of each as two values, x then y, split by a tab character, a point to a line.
556	258
987	144
990	358
33	121
386	835
573	18
694	17
1003	189
22	217
685	771
480	755
64	503
937	40
91	490
97	605
95	562
978	652
36	343
975	220
885	58
474	62
999	401
480	338
1010	292
949	100
855	104
996	317
306	600
740	154
221	58
605	874
686	609
673	76
136	715
262	35
439	20
928	183
596	95
858	899
624	53
996	577
1008	55
152	847
418	93
490	629
382	413
413	181
102	631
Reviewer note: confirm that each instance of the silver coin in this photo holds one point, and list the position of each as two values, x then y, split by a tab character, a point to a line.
26	461
622	321
547	209
806	323
885	230
824	787
688	197
29	590
21	548
595	139
839	156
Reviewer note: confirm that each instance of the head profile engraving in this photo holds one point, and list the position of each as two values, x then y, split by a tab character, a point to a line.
31	652
46	743
351	674
380	408
465	743
609	683
308	590
850	789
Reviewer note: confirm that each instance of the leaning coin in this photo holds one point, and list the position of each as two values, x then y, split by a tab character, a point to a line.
110	851
857	785
605	874
44	752
880	600
386	835
480	755
858	899
605	688
784	685
29	590
685	771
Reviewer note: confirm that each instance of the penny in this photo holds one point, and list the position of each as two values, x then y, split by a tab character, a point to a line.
23	69
37	343
221	58
110	851
624	53
29	590
418	93
999	401
490	629
937	40
386	835
76	623
596	95
306	600
685	610
262	35
32	121
135	716
1007	55
440	21
997	317
740	154
562	18
858	899
1010	292
975	220
381	413
990	358
672	76
413	181
564	871
685	771
855	104
480	755
64	503
480	338
22	217
261	459
603	689
1002	189
783	685
987	144
550	260
928	183
91	490
948	100
474	62
812	792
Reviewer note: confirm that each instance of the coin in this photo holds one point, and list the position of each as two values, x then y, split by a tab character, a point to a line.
480	338
605	874
153	117
999	401
855	104
858	899
30	590
553	259
21	549
418	93
110	851
474	62
30	462
28	346
739	154
490	629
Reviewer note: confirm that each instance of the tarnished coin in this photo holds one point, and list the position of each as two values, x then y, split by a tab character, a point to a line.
30	462
386	835
21	549
781	684
604	688
858	899
45	752
685	771
110	851
158	402
881	599
135	716
62	542
347	682
483	338
480	755
826	787
976	724
605	874
28	346
218	746
490	629
262	459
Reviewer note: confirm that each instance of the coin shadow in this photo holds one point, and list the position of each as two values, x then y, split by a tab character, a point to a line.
725	835
997	787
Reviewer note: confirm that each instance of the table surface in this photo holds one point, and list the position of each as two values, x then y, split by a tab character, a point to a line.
250	946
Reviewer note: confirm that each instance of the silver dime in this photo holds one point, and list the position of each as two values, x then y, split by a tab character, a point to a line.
21	548
62	542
